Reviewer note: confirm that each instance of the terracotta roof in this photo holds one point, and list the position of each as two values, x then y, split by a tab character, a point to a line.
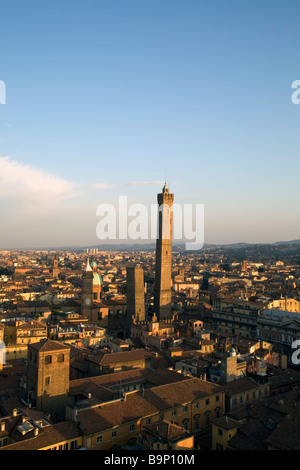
32	324
245	342
286	377
226	422
124	356
150	376
113	414
286	435
242	442
98	392
49	345
165	430
184	391
48	436
240	385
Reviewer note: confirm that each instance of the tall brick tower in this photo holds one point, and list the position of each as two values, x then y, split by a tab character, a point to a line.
55	269
135	295
163	263
87	295
48	372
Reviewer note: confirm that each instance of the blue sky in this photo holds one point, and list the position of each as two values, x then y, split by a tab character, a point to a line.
109	97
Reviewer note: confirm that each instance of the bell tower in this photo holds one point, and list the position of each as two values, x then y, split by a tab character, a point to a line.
55	269
87	290
48	375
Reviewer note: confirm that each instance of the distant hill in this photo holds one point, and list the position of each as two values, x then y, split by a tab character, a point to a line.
180	246
292	242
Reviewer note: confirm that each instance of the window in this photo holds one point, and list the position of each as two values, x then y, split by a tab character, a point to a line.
74	445
207	418
131	429
174	413
217	398
99	439
207	402
185	409
197	422
196	405
48	359
220	432
114	434
60	358
148	421
47	381
185	424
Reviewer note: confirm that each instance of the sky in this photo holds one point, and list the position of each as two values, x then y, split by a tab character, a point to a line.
110	98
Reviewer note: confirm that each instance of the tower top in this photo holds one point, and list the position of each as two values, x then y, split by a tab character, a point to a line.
88	266
165	188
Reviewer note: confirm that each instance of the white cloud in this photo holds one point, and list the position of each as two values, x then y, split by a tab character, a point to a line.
32	189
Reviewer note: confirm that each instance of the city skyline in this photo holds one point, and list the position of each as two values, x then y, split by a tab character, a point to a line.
106	99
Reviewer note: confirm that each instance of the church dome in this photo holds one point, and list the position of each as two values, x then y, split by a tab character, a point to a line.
97	279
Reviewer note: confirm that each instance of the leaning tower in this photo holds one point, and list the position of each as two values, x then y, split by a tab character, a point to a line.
163	265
